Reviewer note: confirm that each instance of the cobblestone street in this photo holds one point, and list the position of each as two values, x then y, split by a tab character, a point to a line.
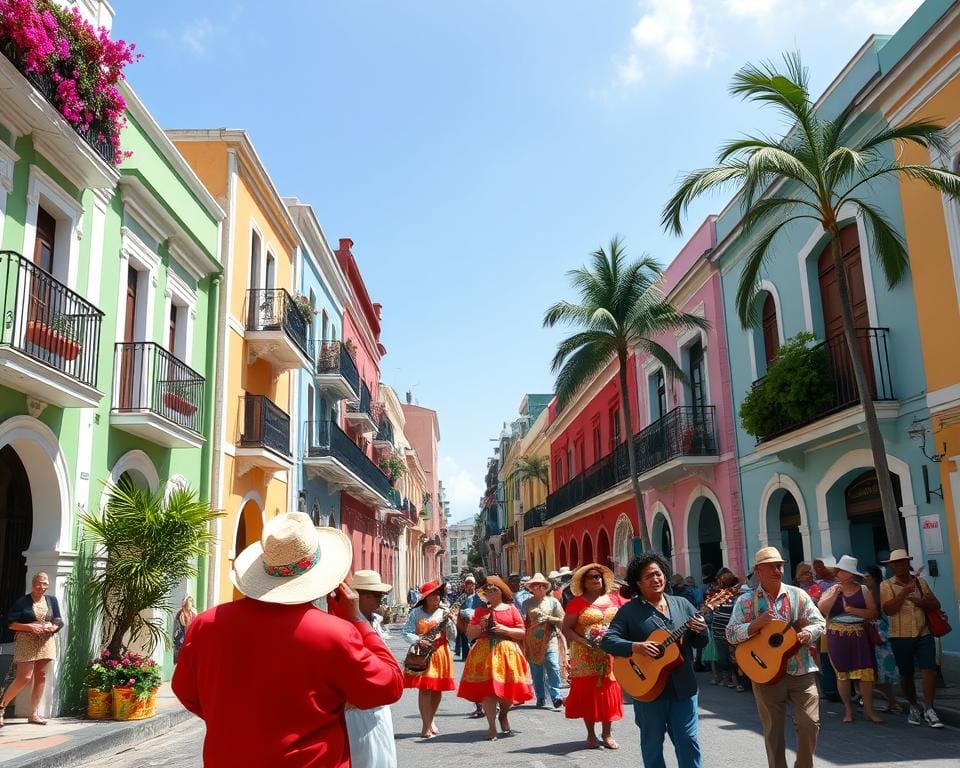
730	733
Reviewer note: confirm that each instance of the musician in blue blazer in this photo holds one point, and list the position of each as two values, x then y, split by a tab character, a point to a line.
674	711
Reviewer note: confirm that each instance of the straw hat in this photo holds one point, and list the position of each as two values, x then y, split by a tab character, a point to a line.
428	589
849	564
293	562
553	575
538	578
506	593
767	555
576	583
897	554
369	581
469	577
564	571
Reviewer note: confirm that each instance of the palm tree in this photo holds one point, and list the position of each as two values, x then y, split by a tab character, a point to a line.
152	544
621	308
531	468
825	164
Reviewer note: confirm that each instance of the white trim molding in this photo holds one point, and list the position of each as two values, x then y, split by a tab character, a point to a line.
782	482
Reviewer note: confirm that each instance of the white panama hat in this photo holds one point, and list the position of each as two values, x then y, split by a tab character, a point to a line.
293	562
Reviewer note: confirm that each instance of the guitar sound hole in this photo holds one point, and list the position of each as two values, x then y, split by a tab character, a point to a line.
776	641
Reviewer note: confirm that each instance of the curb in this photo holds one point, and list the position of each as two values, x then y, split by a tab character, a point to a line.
948	715
92	742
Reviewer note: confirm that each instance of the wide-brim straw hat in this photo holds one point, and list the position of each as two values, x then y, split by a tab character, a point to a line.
428	589
849	564
538	578
767	555
369	581
897	554
294	562
553	575
576	583
565	571
506	593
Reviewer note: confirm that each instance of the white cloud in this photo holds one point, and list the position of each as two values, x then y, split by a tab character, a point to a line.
195	35
756	9
461	489
882	16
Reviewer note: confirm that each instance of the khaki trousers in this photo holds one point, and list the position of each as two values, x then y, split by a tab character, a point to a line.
800	691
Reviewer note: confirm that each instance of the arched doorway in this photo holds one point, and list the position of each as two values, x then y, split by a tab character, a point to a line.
791	542
563	555
662	537
249	530
16	528
587	549
622	545
574	555
603	549
705	538
868	533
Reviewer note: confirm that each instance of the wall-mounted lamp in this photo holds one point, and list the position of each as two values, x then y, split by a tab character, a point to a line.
918	433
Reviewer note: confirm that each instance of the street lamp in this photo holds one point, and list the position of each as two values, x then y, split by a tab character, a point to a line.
917	432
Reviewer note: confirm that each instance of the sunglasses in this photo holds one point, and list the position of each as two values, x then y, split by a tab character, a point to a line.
594	576
490	588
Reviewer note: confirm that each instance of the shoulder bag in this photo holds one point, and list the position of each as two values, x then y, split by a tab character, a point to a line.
937	621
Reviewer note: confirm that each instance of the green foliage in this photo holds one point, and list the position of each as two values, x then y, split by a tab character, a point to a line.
532	468
140	673
83	608
797	388
393	467
152	544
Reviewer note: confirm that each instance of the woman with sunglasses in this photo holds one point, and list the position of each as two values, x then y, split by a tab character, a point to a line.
594	696
496	672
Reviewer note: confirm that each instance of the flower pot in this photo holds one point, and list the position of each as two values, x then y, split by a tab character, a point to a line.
99	704
126	705
179	404
53	341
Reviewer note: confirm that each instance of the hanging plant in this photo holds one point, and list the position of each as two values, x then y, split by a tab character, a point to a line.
393	467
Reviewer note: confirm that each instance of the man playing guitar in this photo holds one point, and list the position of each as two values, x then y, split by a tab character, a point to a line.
675	709
753	610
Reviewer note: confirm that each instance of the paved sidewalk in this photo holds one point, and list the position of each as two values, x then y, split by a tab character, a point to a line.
69	741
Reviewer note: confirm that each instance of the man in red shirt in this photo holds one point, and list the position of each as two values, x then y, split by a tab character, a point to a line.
270	674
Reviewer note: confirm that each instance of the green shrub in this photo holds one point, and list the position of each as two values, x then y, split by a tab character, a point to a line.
798	387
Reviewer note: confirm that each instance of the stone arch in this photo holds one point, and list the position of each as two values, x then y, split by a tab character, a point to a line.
139	467
603	547
574	554
586	548
862	458
768	513
622	544
696	504
563	554
661	531
245	513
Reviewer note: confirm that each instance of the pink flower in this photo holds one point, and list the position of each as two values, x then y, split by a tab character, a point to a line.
131	681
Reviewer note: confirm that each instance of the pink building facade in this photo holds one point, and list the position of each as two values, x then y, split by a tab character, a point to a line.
422	430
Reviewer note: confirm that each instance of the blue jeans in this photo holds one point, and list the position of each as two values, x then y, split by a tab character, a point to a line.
550	667
678	717
462	646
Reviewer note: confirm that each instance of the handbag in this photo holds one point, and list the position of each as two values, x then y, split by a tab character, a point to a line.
937	621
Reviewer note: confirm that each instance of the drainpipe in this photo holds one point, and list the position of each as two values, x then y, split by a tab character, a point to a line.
208	453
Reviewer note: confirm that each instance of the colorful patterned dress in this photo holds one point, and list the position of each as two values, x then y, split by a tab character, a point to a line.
496	665
439	675
31	647
851	652
595	695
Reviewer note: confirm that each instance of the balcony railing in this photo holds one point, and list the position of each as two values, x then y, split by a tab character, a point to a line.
325	438
334	359
364	403
151	379
384	431
273	309
533	518
95	135
264	425
839	381
44	319
684	431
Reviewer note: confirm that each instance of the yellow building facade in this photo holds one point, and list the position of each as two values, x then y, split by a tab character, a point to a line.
927	86
538	553
264	333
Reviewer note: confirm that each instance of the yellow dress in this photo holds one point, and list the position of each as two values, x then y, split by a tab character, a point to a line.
30	647
594	694
439	674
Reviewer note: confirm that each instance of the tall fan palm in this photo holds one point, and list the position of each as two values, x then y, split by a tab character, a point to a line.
621	307
531	468
826	165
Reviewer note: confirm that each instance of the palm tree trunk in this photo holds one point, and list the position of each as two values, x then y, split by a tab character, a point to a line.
631	451
888	501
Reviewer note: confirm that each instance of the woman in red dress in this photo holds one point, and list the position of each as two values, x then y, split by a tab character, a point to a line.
594	695
438	677
496	671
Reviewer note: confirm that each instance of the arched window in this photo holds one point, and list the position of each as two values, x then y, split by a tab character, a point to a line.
771	336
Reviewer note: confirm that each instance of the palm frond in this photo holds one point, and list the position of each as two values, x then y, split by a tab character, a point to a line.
567	313
749	279
695	184
570	345
946	182
888	247
766	83
925	133
664	357
579	369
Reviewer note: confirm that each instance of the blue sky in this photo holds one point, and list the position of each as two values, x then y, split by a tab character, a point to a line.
475	152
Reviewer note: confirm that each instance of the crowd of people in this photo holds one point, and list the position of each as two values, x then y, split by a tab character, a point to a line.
550	640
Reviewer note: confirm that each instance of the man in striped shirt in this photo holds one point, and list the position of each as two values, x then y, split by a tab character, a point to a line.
771	600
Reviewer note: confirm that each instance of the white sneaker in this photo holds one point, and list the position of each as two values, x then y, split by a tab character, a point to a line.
930	717
914	715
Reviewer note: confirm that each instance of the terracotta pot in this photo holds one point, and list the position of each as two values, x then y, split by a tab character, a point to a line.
179	404
126	706
53	341
99	704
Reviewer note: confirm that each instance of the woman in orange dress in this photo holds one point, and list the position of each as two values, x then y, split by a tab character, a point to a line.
595	695
438	677
496	671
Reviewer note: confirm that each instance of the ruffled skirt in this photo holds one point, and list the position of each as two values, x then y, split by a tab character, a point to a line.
497	669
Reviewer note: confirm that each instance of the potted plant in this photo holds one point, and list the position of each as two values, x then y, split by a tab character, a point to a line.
100	678
152	543
302	304
181	398
136	681
58	337
393	467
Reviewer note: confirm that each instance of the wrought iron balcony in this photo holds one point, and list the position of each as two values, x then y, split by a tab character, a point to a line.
509	536
336	371
360	413
49	338
533	518
277	328
265	437
839	387
331	454
385	433
156	396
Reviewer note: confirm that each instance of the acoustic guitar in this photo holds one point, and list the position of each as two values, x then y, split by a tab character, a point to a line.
417	660
763	658
644	677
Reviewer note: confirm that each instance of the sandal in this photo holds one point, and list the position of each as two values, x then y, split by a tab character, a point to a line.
609	743
740	688
36	720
